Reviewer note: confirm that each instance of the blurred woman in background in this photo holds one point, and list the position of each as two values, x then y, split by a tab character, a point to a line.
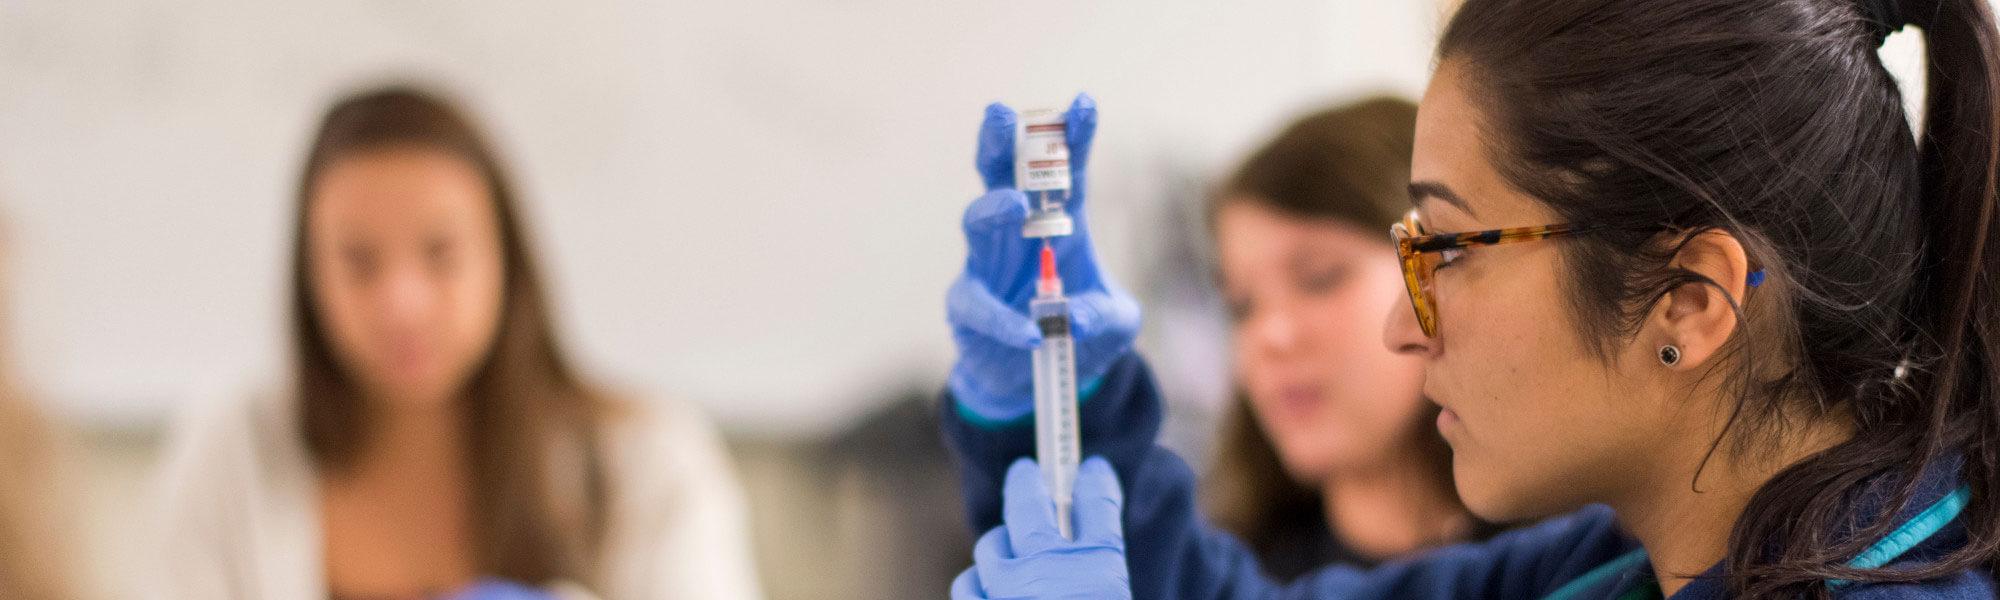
35	559
1328	454
33	552
438	441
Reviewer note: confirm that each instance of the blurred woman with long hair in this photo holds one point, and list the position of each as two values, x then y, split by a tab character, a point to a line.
1328	454
437	440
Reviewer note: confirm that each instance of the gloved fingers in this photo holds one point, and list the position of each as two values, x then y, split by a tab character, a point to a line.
994	559
499	589
972	307
994	248
966	586
1099	505
1099	312
1076	259
1029	511
993	547
983	381
1080	130
995	158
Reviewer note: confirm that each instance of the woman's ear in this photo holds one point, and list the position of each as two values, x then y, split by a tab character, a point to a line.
1697	317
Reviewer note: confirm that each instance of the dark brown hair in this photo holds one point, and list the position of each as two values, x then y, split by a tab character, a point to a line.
1347	164
525	403
1775	121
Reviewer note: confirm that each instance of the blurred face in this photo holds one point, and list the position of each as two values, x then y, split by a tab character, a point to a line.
1307	298
406	266
1537	424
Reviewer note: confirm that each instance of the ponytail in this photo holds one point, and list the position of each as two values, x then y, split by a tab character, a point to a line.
1959	295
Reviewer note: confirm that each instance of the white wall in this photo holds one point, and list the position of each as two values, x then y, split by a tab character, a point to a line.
752	204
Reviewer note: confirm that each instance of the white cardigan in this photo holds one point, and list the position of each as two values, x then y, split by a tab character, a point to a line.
241	510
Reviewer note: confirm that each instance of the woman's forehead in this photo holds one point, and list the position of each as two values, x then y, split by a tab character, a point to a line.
1453	181
398	189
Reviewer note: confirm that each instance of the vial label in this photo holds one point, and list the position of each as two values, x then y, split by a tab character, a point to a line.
1041	152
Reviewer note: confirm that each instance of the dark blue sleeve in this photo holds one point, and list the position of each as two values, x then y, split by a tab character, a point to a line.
1170	553
1530	562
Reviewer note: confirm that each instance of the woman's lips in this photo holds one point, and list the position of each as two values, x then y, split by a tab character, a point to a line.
410	359
1299	400
1447	422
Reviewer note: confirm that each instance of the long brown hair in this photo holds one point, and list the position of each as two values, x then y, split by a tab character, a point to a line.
525	403
1349	164
1776	122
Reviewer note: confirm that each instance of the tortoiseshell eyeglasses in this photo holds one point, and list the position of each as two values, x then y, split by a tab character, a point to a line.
1421	253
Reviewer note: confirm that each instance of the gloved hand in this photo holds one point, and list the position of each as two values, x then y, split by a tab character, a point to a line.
988	304
500	589
1028	558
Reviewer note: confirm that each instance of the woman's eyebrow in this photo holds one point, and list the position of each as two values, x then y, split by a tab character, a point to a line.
1425	190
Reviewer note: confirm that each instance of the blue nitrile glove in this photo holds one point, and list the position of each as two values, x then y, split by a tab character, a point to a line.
500	589
1028	558
988	305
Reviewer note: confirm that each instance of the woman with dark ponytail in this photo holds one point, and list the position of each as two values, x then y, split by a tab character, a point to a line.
1683	270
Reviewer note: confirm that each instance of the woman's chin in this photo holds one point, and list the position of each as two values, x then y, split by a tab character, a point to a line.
415	395
1489	497
1312	464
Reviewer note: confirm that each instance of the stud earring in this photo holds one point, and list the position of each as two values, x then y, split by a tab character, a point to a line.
1670	355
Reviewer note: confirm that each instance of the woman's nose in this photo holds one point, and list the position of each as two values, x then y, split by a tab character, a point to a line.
1402	335
1276	329
407	297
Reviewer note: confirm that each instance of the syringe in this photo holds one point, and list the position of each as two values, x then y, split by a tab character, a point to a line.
1056	446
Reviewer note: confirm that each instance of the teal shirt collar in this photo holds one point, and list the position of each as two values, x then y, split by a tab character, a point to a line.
1940	500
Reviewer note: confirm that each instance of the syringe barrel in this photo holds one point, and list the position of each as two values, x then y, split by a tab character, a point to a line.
1057	445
